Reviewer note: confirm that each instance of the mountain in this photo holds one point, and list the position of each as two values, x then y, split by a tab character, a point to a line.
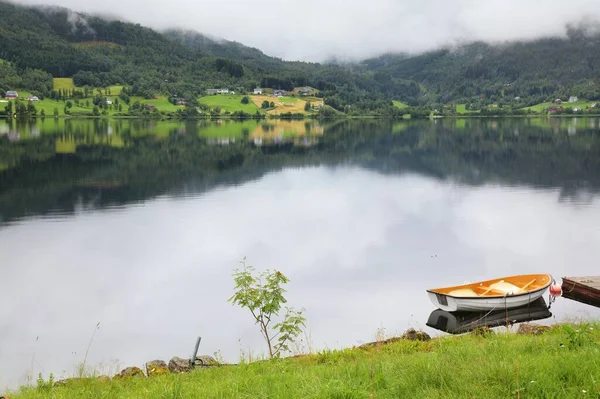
100	52
38	43
536	71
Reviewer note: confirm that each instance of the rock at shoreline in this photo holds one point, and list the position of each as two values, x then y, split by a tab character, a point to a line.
532	329
179	365
156	367
205	361
413	335
103	378
64	382
482	331
130	372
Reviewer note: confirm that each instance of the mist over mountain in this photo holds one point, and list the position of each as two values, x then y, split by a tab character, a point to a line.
316	30
44	42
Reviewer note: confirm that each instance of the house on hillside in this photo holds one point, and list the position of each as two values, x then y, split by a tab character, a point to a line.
181	101
305	91
573	99
217	91
258	91
11	94
152	107
558	101
108	101
33	99
279	93
554	109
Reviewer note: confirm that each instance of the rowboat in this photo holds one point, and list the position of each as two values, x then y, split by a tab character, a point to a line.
501	293
462	322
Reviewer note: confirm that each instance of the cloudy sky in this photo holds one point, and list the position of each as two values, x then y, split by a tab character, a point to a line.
318	29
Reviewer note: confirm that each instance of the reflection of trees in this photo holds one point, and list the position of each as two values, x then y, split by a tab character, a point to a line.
125	166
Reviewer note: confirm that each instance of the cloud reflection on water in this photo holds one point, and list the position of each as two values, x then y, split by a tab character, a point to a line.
360	249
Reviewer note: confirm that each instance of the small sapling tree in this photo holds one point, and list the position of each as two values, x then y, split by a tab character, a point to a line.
263	296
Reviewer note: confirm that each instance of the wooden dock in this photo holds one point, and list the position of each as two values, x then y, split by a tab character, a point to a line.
582	289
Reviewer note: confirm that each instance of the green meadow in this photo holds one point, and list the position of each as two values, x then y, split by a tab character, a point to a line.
63	84
229	102
544	106
561	363
400	104
461	109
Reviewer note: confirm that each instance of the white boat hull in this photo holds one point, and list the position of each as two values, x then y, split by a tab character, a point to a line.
475	304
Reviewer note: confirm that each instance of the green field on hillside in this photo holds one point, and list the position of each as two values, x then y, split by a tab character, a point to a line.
48	105
288	100
161	103
561	363
67	84
400	104
63	83
229	103
462	109
544	106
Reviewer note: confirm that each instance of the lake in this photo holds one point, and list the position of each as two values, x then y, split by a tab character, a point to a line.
138	225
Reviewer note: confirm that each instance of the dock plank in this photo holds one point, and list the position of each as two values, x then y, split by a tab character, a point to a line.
582	289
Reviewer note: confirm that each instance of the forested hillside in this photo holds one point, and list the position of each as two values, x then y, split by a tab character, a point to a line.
100	53
481	73
37	44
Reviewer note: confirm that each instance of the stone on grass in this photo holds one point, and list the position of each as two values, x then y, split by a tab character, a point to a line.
205	361
156	367
482	331
64	382
103	378
130	372
179	365
410	335
532	329
413	335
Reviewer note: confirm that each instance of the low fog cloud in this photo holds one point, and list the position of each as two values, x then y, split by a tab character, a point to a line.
318	29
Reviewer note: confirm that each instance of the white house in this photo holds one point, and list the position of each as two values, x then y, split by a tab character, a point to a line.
108	101
33	99
257	91
573	99
217	91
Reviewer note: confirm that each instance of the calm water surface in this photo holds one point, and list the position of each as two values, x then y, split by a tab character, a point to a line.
138	225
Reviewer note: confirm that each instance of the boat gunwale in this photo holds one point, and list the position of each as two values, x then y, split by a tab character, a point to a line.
433	291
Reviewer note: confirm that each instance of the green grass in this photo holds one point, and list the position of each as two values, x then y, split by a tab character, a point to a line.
161	102
229	103
544	106
48	104
400	104
288	100
68	84
115	90
63	83
461	109
557	364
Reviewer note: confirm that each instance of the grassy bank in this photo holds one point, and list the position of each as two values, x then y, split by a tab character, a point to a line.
561	363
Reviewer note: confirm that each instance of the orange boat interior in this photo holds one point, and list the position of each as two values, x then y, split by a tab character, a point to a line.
512	285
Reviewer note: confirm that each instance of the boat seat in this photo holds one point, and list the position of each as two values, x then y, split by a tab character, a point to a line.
506	288
463	292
